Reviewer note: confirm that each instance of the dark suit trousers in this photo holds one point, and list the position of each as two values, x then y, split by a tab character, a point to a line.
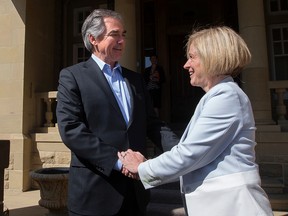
128	208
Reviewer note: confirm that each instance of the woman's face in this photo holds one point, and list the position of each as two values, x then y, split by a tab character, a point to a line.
198	76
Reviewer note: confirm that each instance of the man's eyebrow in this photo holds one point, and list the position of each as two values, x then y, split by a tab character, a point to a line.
117	31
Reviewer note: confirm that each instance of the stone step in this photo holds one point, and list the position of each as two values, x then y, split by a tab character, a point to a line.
171	186
166	201
161	209
273	185
277	194
268	128
166	196
279	202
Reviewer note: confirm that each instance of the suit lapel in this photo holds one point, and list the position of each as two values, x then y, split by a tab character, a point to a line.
99	78
131	92
131	100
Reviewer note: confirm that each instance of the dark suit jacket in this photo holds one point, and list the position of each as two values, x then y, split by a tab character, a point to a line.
91	125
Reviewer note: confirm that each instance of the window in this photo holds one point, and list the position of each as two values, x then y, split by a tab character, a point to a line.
80	53
279	48
80	15
278	6
75	12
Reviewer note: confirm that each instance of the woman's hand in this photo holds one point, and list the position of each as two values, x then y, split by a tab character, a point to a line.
130	161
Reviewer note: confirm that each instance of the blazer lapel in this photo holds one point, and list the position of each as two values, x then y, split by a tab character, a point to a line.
131	92
100	79
131	100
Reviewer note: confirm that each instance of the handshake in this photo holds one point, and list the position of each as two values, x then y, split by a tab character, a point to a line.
131	160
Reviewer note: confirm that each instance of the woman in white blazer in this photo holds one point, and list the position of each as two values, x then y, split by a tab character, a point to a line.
215	158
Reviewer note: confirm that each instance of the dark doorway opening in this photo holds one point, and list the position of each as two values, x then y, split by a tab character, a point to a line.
166	25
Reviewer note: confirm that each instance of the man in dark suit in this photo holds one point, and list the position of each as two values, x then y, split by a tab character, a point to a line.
103	108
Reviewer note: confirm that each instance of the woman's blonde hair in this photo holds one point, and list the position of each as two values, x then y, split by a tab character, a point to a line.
221	50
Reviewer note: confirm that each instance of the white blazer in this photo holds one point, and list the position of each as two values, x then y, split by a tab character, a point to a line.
215	158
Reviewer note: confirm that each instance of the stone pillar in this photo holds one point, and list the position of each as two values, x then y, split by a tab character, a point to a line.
127	8
12	94
256	76
4	163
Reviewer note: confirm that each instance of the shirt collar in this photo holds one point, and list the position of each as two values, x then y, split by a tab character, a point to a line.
103	65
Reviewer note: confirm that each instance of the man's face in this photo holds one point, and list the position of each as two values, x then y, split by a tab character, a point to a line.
153	59
110	46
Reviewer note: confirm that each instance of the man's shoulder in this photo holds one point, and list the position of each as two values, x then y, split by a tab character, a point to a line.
131	75
86	63
81	65
129	71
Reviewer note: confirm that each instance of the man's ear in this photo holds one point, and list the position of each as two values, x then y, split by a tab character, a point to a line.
92	40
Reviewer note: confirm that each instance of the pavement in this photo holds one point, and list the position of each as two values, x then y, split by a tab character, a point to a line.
23	203
26	204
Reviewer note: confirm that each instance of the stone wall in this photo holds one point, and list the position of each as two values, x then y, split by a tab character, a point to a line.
272	153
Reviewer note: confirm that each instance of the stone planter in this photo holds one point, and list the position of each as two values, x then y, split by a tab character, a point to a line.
53	184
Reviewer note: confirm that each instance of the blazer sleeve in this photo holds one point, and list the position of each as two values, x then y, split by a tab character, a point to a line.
72	125
205	138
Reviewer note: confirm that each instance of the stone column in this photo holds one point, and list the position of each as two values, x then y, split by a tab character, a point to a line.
13	95
256	76
127	8
4	163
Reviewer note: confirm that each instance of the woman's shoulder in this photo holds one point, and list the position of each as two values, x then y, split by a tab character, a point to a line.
223	88
228	93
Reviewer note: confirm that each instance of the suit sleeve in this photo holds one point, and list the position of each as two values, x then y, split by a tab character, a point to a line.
211	133
75	134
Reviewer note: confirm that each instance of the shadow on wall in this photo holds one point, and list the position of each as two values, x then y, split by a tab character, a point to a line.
21	8
27	211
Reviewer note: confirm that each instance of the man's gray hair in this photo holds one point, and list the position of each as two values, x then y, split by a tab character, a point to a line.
94	25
